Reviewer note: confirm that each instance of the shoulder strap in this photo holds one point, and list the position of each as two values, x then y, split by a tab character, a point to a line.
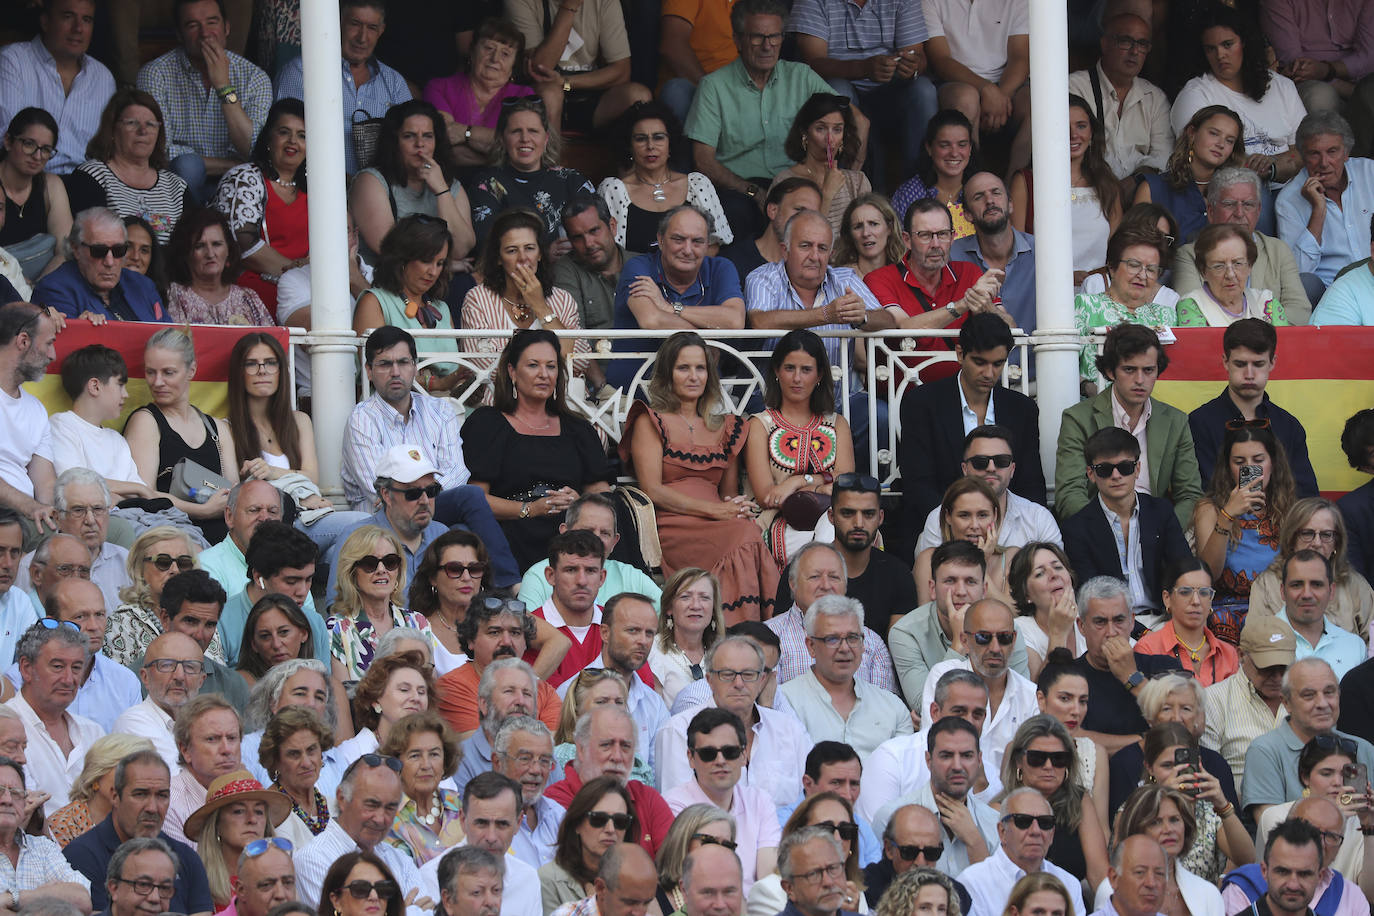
1331	900
1097	92
548	19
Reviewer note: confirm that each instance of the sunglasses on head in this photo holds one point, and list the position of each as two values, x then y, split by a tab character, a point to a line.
164	561
599	819
413	493
99	251
909	853
361	890
1257	423
1335	743
708	754
50	623
369	563
981	462
854	481
1036	759
985	637
456	570
847	830
524	101
1024	821
1105	468
708	840
380	760
258	847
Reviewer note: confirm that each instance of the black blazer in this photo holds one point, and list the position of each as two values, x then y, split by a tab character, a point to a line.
932	445
1091	547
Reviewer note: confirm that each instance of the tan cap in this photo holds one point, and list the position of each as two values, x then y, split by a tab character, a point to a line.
1268	641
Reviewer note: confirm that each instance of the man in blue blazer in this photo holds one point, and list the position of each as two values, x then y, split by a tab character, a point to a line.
95	283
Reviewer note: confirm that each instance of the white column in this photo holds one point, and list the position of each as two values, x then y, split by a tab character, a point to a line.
1056	344
333	373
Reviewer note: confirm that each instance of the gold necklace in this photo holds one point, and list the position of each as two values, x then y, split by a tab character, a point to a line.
1192	651
519	310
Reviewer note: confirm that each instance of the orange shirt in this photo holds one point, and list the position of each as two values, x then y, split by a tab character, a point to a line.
711	39
1216	661
457	692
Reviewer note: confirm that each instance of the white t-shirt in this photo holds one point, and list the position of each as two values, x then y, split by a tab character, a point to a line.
24	434
977	33
78	443
1271	124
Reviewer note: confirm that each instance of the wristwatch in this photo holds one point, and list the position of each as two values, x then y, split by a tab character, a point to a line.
567	85
228	95
525	510
677	308
953	312
1134	681
467	134
809	479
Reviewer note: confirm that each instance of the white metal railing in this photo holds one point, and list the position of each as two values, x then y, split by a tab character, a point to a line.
891	362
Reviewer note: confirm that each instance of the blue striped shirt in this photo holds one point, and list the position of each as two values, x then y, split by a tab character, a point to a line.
854	31
28	76
375	426
769	289
191	113
384	88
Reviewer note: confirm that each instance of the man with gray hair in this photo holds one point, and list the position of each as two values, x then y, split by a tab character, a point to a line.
1323	210
831	702
1139	878
811	864
61	556
523	751
712	882
140	868
28	337
251	502
94	283
82	503
52	660
1233	196
1025	833
626	885
264	879
591	269
471	882
508	688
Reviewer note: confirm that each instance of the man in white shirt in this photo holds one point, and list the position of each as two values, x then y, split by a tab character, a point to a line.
51	662
523	751
1139	875
1134	112
28	340
16	610
95	377
82	503
173	670
207	732
1026	831
831	702
490	818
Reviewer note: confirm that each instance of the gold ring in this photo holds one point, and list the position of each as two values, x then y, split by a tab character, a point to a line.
1347	797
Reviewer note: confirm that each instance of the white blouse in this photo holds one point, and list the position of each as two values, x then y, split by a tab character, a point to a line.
700	192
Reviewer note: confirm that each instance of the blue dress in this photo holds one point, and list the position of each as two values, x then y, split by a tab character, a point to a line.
1188	206
1245	560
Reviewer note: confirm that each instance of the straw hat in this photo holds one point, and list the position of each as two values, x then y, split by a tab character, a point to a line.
237	786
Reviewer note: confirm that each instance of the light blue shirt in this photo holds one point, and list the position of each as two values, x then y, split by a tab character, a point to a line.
17	614
535	847
1348	301
476	759
768	289
620	577
1345	234
1129	555
1340	649
385	88
28	76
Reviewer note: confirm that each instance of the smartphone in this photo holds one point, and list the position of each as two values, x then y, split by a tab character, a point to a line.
1356	776
1249	473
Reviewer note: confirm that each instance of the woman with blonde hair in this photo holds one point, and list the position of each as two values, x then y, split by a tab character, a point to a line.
370	591
694	827
1039	893
870	235
156	555
971	511
920	892
92	794
593	687
237	812
690	623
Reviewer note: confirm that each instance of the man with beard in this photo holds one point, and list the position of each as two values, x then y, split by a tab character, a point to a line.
879	581
523	751
969	827
507	688
996	243
592	267
27	478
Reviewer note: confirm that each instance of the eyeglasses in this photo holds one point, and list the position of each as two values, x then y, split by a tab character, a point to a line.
260	366
15	792
708	840
1230	203
657	137
49	623
528	758
33	146
1139	267
852	640
759	38
456	570
1024	821
361	890
748	675
1127	42
98	252
1228	267
855	481
143	887
369	563
192	666
80	512
1104	468
164	561
924	237
138	126
1327	536
708	754
1257	423
909	853
599	819
981	462
814	876
1330	836
258	847
412	494
1336	743
67	570
1036	759
847	830
985	637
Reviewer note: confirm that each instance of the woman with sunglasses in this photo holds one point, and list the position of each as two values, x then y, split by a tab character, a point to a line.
454	568
1316	523
588	689
204	260
360	884
155	556
1136	260
236	820
1184	636
1061	692
821	137
694	827
394	687
600	815
971	512
38	216
834	812
1043	585
1043	756
427	822
798	445
1237	521
276	630
371	586
1224	255
1171	753
691	622
1166	816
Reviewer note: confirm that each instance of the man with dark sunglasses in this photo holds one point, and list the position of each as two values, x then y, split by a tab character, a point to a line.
912	840
1026	831
95	283
1124	533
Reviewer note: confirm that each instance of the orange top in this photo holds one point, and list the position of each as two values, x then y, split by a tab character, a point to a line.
711	39
1214	662
457	692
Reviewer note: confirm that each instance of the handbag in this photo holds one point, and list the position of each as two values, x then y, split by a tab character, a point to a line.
803	509
193	481
366	133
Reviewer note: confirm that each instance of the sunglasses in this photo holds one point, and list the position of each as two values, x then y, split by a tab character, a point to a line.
378	760
981	462
1257	423
1024	821
708	840
361	890
708	754
258	847
985	637
49	623
99	251
909	853
456	570
847	830
599	819
369	563
1104	468
1334	743
1036	759
164	561
516	607
413	493
524	101
853	481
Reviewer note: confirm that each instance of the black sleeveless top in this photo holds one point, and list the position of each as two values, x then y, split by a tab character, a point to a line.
23	223
172	448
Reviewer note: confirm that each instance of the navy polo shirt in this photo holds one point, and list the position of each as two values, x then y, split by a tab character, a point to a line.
91	852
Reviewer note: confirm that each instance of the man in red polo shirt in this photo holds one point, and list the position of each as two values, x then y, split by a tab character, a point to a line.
934	291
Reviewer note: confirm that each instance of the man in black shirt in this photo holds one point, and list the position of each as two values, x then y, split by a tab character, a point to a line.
1114	671
783	201
880	581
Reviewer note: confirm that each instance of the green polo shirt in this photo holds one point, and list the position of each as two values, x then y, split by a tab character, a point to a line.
751	145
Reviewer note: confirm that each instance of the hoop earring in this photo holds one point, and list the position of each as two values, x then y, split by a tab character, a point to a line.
1018	777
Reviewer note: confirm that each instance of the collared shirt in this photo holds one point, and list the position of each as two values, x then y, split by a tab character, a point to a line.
1271	765
40	862
644	704
769	289
134	298
226	564
151	721
1023	522
17	614
1348	301
1236	716
192	116
520	895
593	291
1345	234
28	76
990	881
1109	909
876	667
1340	649
384	88
956	857
918	642
1018	704
536	845
375	426
1137	128
856	31
877	714
1128	552
756	819
313	863
978	33
585	648
331	771
697	696
1328	30
1018	286
620	577
775	762
1218	659
896	769
476	760
748	126
970	416
1121	421
1208	425
187	795
91	852
1352	902
48	769
109	691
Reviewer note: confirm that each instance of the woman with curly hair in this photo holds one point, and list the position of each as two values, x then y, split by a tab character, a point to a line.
870	235
821	141
395	686
428	821
296	754
923	892
1214	137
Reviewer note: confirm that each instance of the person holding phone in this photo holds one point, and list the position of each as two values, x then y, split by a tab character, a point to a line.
1236	523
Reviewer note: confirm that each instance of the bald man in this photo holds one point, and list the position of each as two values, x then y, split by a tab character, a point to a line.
712	882
913	838
626	885
172	674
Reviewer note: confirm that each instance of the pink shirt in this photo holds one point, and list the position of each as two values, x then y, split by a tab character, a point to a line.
453	94
756	820
1352	900
1121	421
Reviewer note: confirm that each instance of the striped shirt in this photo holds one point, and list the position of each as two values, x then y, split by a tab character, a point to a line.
375	426
855	31
876	667
191	113
28	76
40	862
483	310
1236	716
769	289
161	205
